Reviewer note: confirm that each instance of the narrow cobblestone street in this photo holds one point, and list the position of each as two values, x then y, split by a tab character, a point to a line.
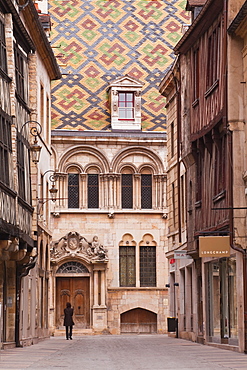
124	352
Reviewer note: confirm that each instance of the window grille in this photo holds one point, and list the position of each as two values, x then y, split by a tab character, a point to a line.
5	147
147	266
3	55
93	190
146	191
126	105
72	267
73	190
127	191
127	266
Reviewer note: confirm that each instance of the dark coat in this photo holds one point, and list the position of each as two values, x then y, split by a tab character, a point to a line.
68	320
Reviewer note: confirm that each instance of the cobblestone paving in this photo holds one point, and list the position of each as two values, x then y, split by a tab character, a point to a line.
126	352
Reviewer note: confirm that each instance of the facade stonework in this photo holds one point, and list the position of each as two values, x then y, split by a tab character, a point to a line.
109	154
113	226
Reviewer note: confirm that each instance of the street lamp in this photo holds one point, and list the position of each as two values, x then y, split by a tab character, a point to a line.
35	148
53	190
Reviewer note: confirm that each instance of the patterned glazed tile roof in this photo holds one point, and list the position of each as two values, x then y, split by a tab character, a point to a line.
97	41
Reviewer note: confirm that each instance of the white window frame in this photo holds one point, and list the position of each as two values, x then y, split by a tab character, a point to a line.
125	84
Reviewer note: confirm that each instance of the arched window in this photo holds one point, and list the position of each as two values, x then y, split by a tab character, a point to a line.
93	188
127	261
72	267
73	188
146	190
147	262
127	189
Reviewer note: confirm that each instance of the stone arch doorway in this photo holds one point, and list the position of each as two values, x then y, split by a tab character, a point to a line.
73	285
139	321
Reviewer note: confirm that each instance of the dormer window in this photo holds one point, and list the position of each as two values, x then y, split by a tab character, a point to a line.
125	102
126	105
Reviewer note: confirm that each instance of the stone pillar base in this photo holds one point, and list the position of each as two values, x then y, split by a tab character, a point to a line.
99	318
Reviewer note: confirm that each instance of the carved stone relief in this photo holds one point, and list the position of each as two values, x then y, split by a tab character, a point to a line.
73	244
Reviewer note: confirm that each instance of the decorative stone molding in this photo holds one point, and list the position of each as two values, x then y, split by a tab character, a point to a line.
125	84
75	245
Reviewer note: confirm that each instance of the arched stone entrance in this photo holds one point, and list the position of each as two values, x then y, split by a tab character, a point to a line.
138	321
74	289
79	269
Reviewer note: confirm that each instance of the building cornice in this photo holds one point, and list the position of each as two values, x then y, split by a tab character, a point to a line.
41	41
203	21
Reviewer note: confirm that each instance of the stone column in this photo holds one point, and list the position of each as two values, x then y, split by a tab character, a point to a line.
119	192
137	191
83	191
99	311
96	288
155	192
102	288
110	177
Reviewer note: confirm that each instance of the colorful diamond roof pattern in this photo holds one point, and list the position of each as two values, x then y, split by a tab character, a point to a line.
97	41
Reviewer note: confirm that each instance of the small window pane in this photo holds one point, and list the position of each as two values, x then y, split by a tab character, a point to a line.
129	97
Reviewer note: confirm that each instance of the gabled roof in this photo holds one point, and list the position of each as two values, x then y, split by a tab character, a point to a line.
126	81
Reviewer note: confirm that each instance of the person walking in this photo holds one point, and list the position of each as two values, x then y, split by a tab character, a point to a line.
68	320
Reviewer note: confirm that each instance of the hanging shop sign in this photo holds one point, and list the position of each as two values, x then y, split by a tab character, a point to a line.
180	255
214	246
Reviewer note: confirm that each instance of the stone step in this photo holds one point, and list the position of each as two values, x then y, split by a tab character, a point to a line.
76	332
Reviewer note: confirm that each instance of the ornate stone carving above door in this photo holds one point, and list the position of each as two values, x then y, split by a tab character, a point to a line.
75	245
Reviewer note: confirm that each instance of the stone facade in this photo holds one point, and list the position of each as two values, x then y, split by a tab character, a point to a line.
113	225
109	126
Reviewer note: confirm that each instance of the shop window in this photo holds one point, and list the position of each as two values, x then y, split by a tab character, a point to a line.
222	301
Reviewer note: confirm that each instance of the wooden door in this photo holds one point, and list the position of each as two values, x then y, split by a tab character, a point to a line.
138	320
75	291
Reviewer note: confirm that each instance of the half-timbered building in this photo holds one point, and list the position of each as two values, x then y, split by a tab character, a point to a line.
27	65
205	99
